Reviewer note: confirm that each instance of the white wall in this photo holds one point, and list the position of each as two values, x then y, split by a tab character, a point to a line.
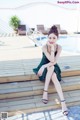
42	14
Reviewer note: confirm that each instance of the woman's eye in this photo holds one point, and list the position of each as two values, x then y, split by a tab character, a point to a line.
49	37
54	38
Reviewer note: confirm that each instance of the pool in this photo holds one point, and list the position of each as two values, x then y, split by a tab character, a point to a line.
68	43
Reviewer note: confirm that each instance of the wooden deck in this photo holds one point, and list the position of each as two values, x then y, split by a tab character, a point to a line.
21	70
21	91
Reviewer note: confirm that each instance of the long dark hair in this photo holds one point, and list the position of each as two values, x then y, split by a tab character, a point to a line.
54	30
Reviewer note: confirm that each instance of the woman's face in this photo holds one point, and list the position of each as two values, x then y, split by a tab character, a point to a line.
52	38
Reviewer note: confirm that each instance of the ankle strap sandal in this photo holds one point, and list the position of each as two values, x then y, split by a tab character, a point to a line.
63	100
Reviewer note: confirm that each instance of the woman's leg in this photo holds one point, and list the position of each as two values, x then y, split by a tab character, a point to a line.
47	81
59	91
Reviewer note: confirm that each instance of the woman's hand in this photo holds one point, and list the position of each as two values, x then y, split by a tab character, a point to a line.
52	47
53	63
50	64
41	70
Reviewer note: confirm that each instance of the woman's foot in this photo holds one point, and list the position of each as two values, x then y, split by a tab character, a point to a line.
65	112
64	108
45	97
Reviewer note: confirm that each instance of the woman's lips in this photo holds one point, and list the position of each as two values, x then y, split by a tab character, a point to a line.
51	42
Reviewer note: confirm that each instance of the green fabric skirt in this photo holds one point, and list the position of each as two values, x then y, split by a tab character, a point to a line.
56	70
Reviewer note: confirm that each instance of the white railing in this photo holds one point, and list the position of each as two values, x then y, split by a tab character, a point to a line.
33	35
4	27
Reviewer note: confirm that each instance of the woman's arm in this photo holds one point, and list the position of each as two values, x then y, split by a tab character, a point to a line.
50	63
43	67
50	57
58	54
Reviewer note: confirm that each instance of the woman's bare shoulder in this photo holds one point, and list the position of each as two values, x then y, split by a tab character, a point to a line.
44	47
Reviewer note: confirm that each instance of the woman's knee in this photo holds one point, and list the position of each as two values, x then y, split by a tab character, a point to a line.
51	68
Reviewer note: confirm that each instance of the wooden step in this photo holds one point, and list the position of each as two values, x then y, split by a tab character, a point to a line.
21	70
33	103
29	88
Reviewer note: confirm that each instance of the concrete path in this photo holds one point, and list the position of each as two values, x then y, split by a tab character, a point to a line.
21	47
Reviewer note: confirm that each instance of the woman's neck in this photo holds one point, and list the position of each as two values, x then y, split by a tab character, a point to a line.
49	48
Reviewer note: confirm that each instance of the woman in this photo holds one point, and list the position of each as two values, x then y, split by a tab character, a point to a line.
48	68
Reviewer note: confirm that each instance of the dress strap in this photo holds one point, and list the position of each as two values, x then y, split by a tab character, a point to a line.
56	47
47	47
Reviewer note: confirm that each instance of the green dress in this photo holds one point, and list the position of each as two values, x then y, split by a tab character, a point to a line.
44	60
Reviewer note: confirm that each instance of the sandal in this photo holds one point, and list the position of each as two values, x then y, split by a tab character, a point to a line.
65	112
45	101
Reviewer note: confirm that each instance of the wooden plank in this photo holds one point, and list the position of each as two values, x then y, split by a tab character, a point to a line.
26	84
36	90
18	101
53	102
37	104
71	79
18	107
6	91
16	94
70	73
14	78
24	77
33	110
